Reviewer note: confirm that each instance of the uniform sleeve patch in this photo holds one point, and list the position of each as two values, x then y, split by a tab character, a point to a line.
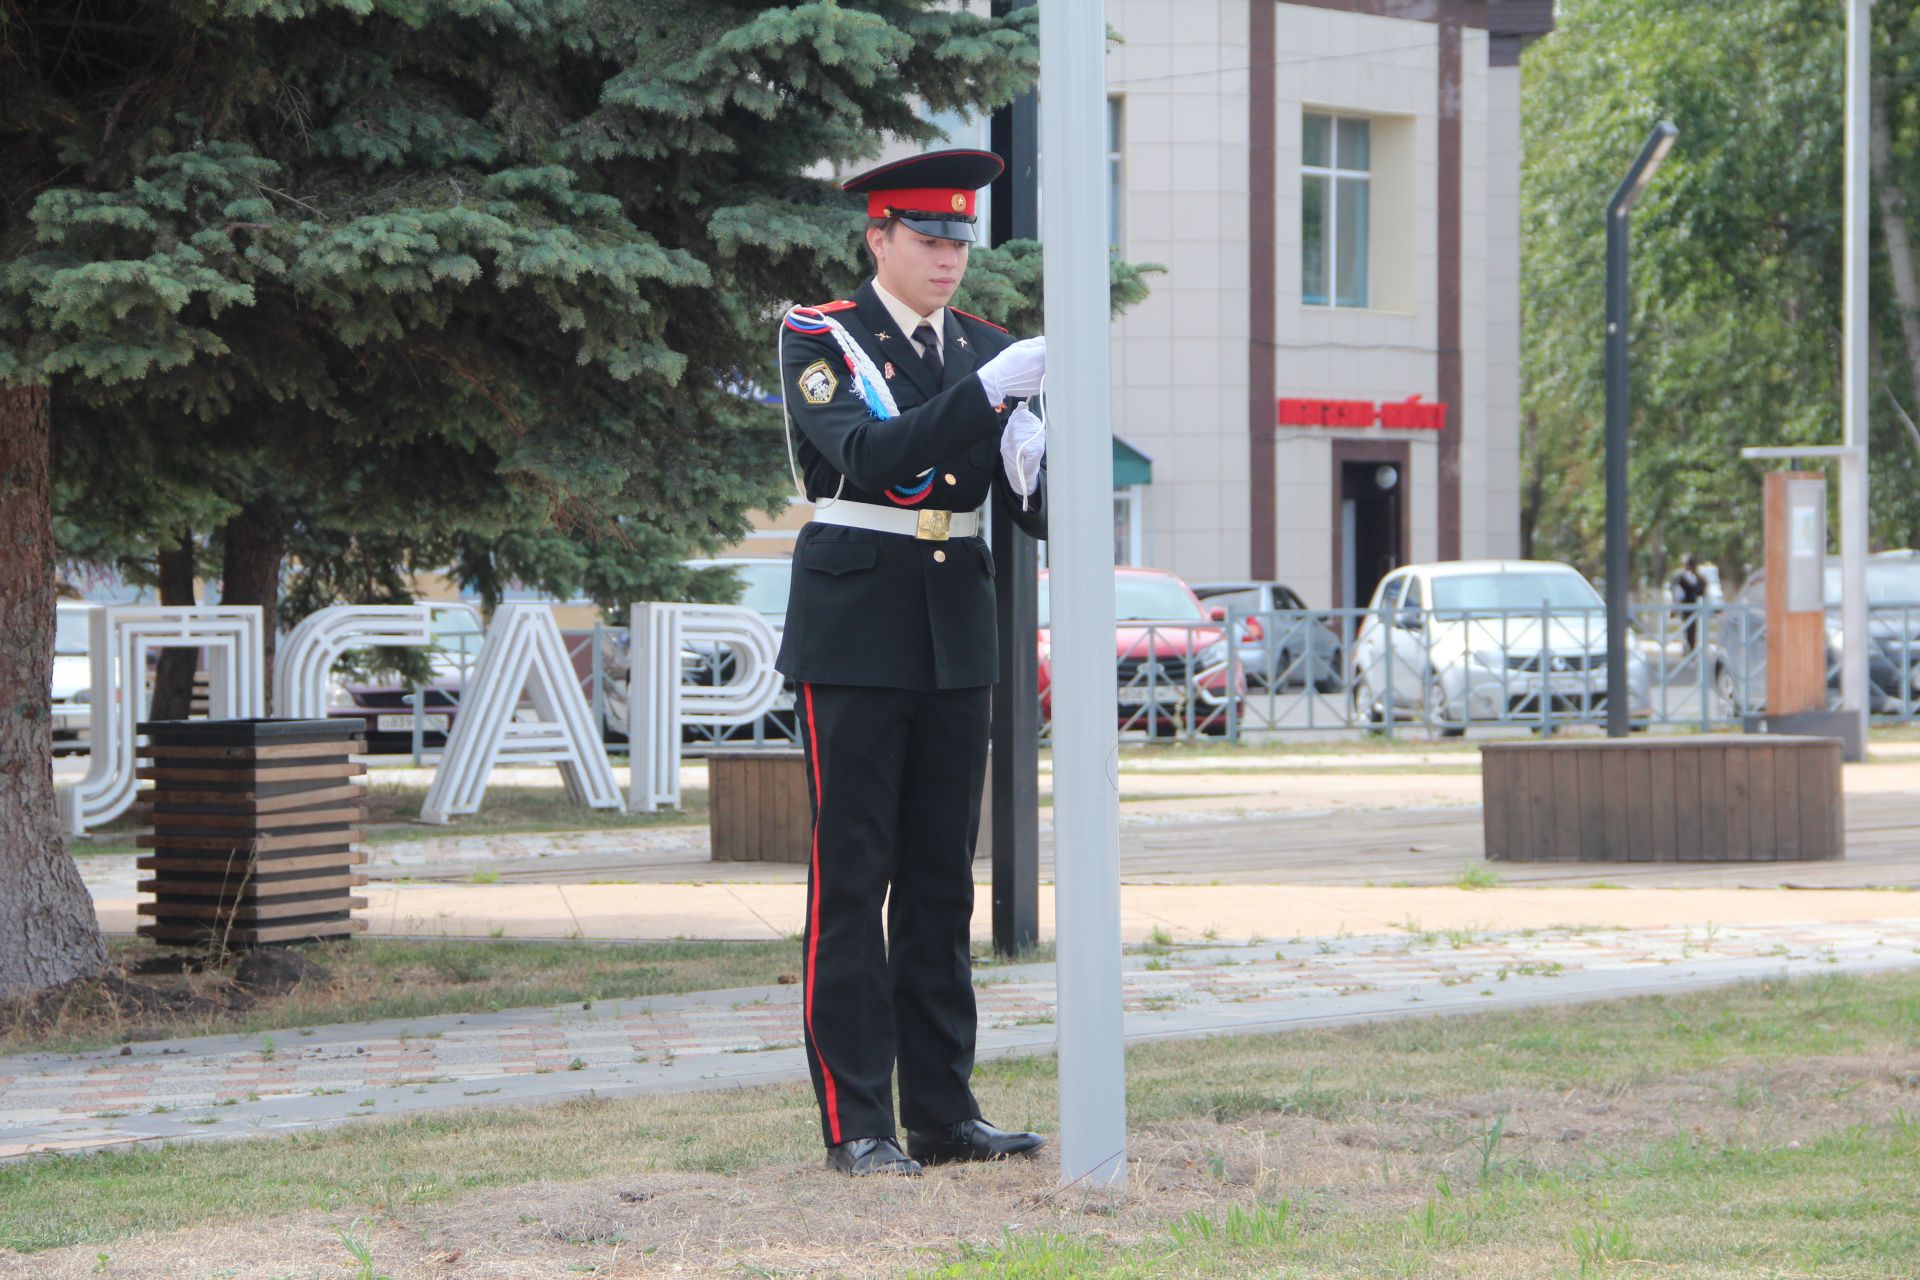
817	383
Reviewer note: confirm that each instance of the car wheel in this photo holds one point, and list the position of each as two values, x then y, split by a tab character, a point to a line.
1439	718
1367	709
1726	692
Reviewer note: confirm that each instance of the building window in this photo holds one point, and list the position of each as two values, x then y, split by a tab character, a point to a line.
1129	508
1336	181
1116	172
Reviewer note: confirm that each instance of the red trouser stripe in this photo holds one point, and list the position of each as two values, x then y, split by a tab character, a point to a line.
813	925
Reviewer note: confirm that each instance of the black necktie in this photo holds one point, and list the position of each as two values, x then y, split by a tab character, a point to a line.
930	352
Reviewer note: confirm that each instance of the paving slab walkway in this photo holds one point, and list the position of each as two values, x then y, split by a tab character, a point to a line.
240	1086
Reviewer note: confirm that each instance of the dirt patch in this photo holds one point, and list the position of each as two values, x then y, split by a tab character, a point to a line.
1381	1157
118	1003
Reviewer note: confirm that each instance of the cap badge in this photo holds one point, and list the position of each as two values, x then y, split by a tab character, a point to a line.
959	202
817	383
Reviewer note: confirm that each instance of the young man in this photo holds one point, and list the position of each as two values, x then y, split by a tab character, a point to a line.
903	408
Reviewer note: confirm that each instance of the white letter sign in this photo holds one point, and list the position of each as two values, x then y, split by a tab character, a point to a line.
659	702
305	658
119	640
523	653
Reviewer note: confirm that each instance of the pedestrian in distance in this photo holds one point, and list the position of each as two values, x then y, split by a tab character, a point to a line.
904	415
1688	589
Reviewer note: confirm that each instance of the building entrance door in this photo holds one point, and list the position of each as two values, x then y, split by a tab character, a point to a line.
1371	534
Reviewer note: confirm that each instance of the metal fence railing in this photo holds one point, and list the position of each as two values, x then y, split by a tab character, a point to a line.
1258	675
1444	672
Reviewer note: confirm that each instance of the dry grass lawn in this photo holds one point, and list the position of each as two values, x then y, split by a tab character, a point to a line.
1765	1130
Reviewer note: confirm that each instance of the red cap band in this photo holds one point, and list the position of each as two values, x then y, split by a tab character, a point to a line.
933	200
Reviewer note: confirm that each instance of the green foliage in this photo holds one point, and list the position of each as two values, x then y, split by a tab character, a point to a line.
1736	267
475	283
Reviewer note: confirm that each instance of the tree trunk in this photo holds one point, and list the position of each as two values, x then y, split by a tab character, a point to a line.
48	932
1536	483
173	678
1893	226
250	570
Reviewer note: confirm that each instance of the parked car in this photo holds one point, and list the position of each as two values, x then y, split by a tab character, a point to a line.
1285	645
386	707
1487	640
1737	637
72	674
1170	659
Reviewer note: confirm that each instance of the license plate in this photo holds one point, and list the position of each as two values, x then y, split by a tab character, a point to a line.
404	724
1167	695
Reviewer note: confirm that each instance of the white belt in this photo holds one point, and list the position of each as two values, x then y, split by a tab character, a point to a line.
928	526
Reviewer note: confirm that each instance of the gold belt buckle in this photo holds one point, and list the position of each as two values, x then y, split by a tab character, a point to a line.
934	526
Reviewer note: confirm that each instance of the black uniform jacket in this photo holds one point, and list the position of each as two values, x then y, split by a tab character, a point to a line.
885	609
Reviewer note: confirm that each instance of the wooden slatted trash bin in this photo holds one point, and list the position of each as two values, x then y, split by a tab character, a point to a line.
757	805
253	830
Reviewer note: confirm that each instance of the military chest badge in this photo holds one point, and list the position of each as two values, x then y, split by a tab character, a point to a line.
817	383
889	369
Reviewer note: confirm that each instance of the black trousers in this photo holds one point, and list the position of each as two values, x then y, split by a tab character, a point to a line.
894	776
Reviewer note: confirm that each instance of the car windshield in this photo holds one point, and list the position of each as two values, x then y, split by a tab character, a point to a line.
70	632
1896	583
1510	592
763	587
457	631
1142	597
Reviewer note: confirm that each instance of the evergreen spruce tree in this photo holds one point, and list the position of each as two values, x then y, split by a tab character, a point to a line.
396	282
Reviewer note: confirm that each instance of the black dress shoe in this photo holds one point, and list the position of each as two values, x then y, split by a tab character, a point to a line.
970	1140
859	1157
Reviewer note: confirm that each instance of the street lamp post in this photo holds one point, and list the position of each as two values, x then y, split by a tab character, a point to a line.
1659	142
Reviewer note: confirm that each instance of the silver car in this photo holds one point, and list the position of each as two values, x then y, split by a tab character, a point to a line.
1521	641
72	674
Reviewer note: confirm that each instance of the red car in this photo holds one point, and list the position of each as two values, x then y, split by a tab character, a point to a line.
1171	659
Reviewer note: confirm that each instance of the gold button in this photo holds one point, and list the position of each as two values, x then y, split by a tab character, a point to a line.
950	479
939	557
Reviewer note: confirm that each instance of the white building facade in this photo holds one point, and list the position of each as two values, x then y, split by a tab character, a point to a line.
1326	377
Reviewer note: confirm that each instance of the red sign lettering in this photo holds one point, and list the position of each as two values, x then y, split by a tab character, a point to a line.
1412	414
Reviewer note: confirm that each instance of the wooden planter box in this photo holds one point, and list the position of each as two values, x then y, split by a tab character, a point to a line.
1711	798
757	805
253	830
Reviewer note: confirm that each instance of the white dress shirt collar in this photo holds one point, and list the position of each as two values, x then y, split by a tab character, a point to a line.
909	320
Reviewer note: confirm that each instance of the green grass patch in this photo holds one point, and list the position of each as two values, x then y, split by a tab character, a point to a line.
1785	1211
377	978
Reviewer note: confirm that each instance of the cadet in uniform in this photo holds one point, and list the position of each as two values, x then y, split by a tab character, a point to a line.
899	409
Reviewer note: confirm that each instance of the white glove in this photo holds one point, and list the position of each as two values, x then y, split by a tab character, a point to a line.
1016	372
1023	446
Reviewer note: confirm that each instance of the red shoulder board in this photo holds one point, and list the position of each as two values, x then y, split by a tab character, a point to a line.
969	315
841	305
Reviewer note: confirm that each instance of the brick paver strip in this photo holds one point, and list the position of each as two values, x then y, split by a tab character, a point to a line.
232	1086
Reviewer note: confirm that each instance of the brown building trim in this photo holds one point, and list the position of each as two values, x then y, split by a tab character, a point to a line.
1472	13
1512	25
1447	338
1400	454
1262	292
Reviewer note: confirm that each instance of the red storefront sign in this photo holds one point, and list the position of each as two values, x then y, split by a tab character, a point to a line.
1411	414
